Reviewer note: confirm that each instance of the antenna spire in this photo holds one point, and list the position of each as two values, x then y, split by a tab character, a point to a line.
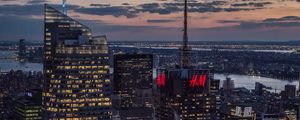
64	6
185	47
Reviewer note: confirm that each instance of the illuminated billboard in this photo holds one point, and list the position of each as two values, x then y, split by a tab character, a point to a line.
161	79
198	81
178	81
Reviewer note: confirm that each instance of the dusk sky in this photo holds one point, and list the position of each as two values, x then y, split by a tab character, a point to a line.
160	20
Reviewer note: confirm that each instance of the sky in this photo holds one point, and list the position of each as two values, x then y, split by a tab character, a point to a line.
160	20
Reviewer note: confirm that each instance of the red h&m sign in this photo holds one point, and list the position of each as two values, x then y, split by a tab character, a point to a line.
161	80
198	81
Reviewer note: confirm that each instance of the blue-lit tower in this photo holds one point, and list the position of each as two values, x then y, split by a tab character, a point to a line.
64	7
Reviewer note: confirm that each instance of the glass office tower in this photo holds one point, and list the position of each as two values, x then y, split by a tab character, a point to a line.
76	68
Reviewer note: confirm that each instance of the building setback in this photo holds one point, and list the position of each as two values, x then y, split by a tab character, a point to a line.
76	68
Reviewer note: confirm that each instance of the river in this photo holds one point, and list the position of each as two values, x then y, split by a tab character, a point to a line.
239	80
13	64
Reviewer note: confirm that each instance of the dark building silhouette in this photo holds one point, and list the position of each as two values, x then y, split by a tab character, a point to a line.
298	92
132	78
2	100
187	93
228	85
133	85
28	107
289	91
22	50
260	89
76	69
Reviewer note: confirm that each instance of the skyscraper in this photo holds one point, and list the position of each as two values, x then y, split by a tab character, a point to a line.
76	68
132	78
185	47
133	85
22	50
187	93
228	85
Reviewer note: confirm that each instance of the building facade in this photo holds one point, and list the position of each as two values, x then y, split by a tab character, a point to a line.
133	79
289	92
187	94
133	86
27	109
22	50
76	68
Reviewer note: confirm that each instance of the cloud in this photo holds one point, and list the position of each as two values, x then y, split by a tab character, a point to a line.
128	32
125	4
21	9
7	0
16	27
37	1
287	18
284	22
160	8
160	20
99	5
253	4
27	10
288	21
229	21
251	25
116	11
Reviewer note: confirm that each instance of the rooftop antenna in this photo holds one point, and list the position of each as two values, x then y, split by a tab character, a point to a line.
64	7
185	47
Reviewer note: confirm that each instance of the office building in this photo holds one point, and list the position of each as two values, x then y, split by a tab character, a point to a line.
28	107
187	94
76	68
238	112
133	79
133	86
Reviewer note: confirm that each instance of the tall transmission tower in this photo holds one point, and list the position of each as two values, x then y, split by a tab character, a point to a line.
64	6
185	47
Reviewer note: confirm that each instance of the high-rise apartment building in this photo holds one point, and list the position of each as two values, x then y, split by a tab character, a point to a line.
76	68
133	79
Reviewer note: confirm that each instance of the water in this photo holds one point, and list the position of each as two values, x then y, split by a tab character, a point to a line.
11	64
239	80
249	81
204	49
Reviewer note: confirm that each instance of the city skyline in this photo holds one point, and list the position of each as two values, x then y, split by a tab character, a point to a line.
265	20
86	74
